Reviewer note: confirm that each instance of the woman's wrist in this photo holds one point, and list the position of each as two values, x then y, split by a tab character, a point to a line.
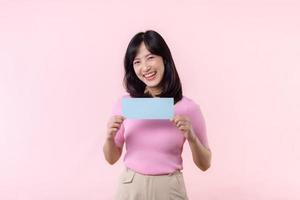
192	137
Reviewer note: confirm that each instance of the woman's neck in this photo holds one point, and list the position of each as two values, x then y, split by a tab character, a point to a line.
153	91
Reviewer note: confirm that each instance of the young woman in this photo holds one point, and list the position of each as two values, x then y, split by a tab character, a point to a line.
153	161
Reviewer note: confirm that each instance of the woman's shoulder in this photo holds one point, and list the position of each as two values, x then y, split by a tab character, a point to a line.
187	101
192	109
189	104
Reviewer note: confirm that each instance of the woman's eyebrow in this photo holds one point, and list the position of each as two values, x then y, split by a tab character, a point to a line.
137	58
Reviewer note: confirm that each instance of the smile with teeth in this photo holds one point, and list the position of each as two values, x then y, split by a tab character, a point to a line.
150	76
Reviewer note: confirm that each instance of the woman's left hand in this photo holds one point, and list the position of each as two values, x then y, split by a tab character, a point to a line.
185	126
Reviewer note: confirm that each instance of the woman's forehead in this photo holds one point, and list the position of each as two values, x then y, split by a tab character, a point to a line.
142	51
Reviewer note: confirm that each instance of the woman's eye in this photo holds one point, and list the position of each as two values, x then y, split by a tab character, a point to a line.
137	62
150	57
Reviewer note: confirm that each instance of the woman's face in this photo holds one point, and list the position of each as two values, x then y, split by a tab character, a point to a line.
149	68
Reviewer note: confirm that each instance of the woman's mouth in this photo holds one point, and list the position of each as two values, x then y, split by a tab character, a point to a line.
150	76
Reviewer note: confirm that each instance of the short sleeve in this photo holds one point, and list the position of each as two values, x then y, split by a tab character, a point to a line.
117	110
198	123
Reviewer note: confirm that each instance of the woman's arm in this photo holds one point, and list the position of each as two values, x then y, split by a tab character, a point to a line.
201	155
112	153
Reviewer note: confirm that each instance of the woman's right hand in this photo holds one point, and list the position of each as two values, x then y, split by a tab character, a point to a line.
113	126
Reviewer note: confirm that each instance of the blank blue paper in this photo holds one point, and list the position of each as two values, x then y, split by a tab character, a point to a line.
147	108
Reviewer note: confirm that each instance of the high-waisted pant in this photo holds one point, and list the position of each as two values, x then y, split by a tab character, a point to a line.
135	186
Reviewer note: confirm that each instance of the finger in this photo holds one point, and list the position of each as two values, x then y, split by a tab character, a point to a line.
122	118
183	128
175	119
119	119
113	130
112	123
115	125
179	123
117	122
185	123
180	118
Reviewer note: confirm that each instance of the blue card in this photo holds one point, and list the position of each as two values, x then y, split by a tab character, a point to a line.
148	108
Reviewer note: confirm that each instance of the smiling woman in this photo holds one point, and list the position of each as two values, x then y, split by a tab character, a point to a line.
150	69
153	161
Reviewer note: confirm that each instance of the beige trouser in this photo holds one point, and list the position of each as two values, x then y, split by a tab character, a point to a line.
135	186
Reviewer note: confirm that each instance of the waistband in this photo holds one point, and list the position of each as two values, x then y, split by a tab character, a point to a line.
164	174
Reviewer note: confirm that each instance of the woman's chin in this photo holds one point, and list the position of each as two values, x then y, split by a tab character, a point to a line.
151	86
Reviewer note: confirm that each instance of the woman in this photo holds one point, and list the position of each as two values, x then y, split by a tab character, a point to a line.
153	161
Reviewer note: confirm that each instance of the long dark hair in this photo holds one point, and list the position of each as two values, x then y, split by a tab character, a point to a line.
170	83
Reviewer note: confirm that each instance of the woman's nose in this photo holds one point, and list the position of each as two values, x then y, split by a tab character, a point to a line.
146	67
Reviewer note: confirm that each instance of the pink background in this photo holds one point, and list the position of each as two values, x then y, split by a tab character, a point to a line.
61	70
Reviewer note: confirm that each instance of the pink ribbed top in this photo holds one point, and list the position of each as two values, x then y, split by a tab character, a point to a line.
155	146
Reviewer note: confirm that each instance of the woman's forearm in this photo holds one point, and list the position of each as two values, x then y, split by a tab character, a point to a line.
111	152
201	155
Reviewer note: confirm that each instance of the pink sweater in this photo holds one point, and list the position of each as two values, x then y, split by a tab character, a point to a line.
154	146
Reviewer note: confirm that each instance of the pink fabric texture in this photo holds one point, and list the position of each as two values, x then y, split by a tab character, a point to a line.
154	146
